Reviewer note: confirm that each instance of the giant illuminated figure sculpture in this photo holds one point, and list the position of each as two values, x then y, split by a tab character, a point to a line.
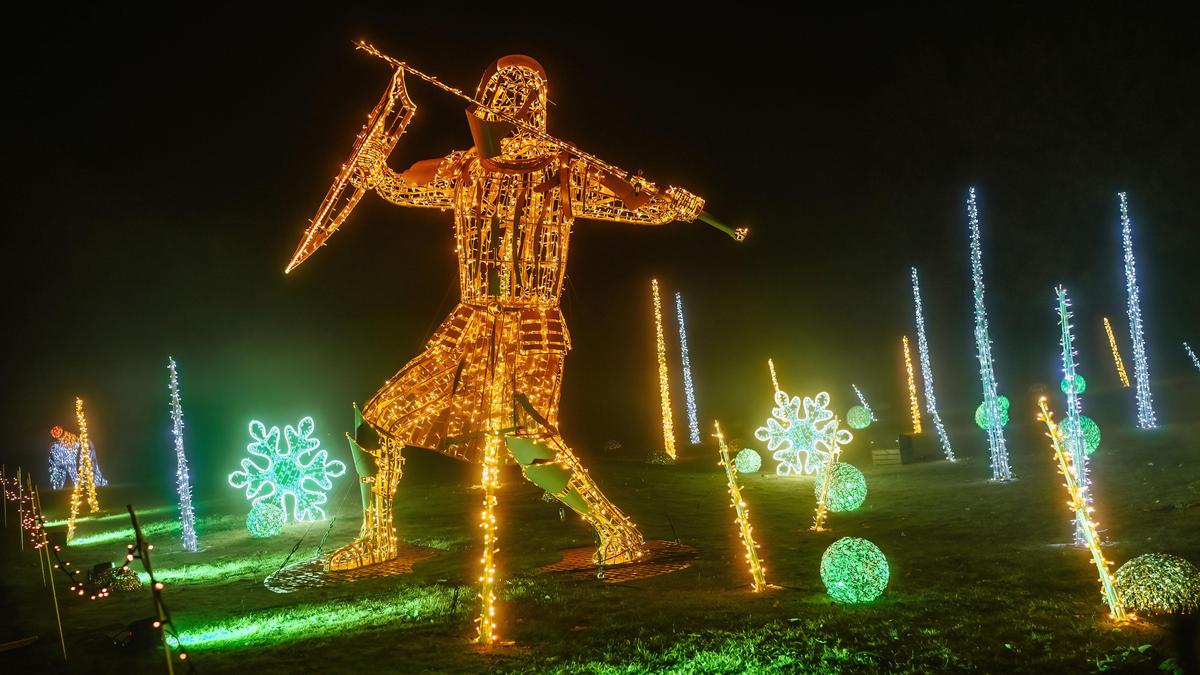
486	388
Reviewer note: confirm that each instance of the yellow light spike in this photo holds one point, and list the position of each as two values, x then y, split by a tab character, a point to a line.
822	508
757	571
85	474
1112	343
774	380
664	386
490	481
913	404
1108	587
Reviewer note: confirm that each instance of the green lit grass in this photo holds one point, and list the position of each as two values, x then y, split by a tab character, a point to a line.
154	529
289	623
224	570
123	515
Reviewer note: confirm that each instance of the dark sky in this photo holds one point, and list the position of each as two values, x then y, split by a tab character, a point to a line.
164	163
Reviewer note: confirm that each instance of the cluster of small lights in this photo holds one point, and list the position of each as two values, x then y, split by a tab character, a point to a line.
844	486
265	520
774	379
183	483
981	413
1112	343
757	571
64	459
862	400
689	391
1192	355
858	417
913	406
854	571
1091	433
664	386
490	481
983	346
1141	366
927	371
84	485
1083	513
1072	386
298	470
1159	583
748	461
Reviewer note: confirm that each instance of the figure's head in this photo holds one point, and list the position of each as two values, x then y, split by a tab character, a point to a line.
56	431
516	86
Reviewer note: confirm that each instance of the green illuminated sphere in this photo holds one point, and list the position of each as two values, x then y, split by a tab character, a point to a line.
748	461
858	417
981	412
854	571
847	491
265	520
1158	583
1080	384
1091	433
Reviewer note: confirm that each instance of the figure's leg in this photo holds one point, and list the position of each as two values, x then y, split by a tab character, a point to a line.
380	466
548	463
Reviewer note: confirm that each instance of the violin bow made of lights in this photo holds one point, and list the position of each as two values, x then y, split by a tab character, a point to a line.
327	221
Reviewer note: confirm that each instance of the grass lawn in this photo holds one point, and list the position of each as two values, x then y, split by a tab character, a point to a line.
981	578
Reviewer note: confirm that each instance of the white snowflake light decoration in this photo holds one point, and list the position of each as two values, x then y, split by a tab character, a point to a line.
802	443
299	471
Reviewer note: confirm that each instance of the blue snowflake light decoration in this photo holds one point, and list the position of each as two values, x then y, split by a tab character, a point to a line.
801	442
300	470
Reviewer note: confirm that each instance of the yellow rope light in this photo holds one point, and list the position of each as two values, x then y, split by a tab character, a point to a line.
487	521
664	387
1078	502
774	380
1112	342
913	404
822	510
757	571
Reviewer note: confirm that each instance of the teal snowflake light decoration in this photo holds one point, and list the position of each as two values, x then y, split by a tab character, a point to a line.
1158	583
854	571
1091	433
300	471
858	417
265	520
1002	405
748	461
1080	385
847	491
801	443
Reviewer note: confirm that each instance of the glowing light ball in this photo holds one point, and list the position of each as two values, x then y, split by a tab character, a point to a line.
1158	583
854	571
848	489
265	520
1091	433
858	417
748	461
981	412
1080	384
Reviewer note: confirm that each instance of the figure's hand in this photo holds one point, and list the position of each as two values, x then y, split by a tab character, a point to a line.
686	205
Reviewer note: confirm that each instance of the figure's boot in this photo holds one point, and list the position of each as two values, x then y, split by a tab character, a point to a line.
550	464
379	471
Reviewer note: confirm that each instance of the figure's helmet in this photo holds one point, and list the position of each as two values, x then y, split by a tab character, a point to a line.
516	86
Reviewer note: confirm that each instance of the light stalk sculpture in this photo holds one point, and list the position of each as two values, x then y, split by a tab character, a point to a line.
1141	365
825	476
664	384
1083	514
1112	343
689	391
774	379
914	406
983	347
183	482
1074	427
85	485
1192	355
757	571
927	371
863	401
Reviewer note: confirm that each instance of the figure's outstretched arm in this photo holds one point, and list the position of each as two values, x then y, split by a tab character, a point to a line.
428	183
601	196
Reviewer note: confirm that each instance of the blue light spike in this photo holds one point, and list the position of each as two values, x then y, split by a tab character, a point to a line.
863	401
927	371
187	515
1072	423
1141	366
983	347
689	391
1191	355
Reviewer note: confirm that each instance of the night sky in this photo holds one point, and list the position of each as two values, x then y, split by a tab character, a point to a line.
164	164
